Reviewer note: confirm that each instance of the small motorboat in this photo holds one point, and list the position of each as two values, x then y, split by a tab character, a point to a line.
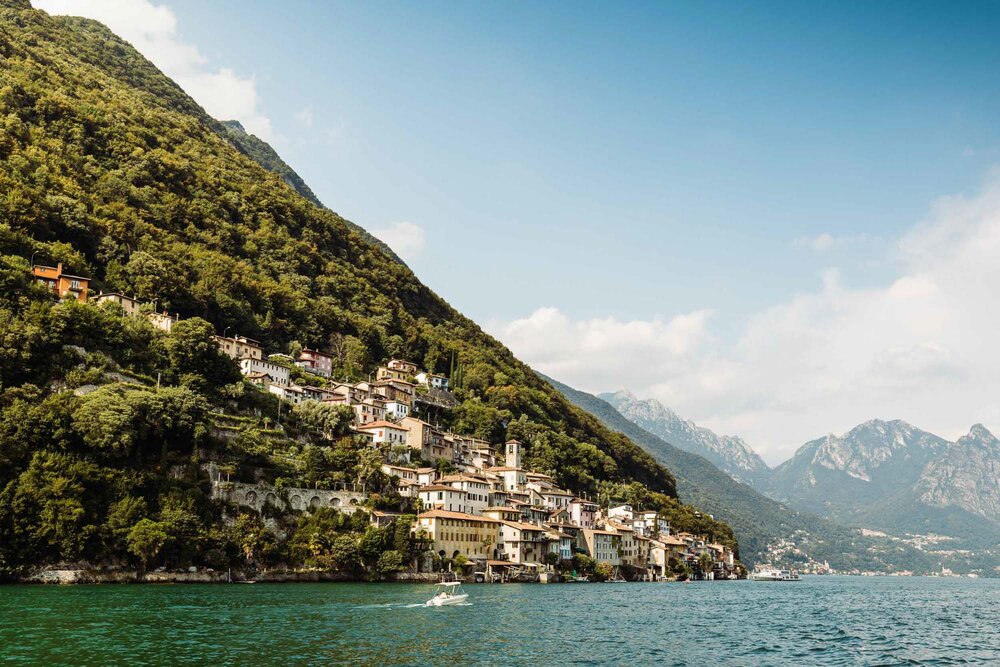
448	592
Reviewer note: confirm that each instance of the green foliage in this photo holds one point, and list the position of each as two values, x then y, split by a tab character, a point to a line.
146	539
121	421
603	571
195	359
256	543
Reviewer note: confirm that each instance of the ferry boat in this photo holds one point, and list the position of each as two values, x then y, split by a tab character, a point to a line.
770	573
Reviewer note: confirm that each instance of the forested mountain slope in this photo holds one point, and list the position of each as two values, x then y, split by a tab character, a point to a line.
262	153
107	167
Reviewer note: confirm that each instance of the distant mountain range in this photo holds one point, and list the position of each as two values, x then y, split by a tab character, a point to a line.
767	530
895	477
882	476
730	453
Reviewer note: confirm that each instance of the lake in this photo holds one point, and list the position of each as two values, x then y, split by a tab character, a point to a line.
821	620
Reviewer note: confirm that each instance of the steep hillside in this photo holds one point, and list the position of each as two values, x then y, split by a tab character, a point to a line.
108	168
727	452
261	152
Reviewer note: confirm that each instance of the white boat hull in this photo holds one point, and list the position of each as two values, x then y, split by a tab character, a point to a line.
445	601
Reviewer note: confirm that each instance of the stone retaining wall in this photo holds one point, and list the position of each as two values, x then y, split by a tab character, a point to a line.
257	496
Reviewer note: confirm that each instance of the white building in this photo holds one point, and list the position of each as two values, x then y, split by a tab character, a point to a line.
443	497
477	491
431	380
621	513
385	433
291	393
397	409
253	365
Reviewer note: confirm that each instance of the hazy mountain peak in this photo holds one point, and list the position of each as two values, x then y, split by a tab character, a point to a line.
730	453
980	432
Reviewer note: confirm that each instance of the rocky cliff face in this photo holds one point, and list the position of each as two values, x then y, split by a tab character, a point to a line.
874	451
898	478
730	453
967	476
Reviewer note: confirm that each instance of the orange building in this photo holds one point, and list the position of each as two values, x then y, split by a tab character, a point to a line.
64	285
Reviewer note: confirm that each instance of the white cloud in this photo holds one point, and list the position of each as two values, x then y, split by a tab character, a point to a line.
405	238
826	241
921	348
152	30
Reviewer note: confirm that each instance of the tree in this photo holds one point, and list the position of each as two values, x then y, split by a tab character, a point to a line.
324	422
551	559
122	516
603	571
389	561
145	541
705	564
253	539
195	360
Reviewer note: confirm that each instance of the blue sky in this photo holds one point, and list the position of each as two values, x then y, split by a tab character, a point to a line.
651	160
667	178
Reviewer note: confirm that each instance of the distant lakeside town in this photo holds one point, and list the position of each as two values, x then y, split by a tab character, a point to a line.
479	513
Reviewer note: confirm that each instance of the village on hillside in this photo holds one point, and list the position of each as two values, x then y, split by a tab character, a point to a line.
479	509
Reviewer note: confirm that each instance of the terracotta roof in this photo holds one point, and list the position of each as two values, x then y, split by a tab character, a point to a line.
440	487
522	526
503	509
383	424
502	469
445	514
463	478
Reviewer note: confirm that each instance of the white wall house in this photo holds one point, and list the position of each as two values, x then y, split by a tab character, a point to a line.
251	365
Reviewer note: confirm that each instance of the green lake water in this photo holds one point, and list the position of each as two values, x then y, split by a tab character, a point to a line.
819	621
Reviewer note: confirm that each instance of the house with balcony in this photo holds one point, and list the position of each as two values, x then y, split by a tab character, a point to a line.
63	285
582	512
523	543
514	479
386	373
240	347
403	365
426	441
398	391
560	543
315	362
368	411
